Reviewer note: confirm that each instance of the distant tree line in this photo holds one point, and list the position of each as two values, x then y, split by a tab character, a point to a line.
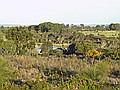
23	39
54	27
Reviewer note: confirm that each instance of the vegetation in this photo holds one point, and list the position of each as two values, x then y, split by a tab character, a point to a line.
71	57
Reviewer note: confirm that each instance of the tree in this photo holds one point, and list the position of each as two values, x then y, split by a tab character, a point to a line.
82	47
46	47
67	26
48	26
22	38
36	28
98	27
113	26
79	47
82	26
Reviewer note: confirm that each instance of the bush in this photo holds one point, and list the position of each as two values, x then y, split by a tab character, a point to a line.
3	69
7	47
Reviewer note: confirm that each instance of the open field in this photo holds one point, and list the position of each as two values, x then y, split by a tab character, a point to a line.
106	33
58	45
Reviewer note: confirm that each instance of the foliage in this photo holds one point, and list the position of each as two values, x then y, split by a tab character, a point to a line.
111	53
67	67
4	72
92	53
83	47
79	84
23	40
114	26
7	47
57	52
93	74
46	47
39	73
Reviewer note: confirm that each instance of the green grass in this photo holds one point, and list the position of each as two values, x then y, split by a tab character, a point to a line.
3	69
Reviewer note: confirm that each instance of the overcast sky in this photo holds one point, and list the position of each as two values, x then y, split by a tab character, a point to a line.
61	11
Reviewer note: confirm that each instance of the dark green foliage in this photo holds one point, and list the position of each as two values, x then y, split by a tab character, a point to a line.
114	26
48	26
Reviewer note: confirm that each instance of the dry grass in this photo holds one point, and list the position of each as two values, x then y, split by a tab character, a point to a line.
30	68
106	33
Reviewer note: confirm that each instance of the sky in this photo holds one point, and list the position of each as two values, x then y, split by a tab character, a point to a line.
59	11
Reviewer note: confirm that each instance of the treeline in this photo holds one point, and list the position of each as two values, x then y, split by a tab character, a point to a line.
49	27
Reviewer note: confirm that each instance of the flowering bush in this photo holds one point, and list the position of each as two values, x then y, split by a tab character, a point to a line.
92	53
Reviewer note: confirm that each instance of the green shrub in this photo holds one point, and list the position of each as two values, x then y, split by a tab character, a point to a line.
78	83
3	69
7	48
